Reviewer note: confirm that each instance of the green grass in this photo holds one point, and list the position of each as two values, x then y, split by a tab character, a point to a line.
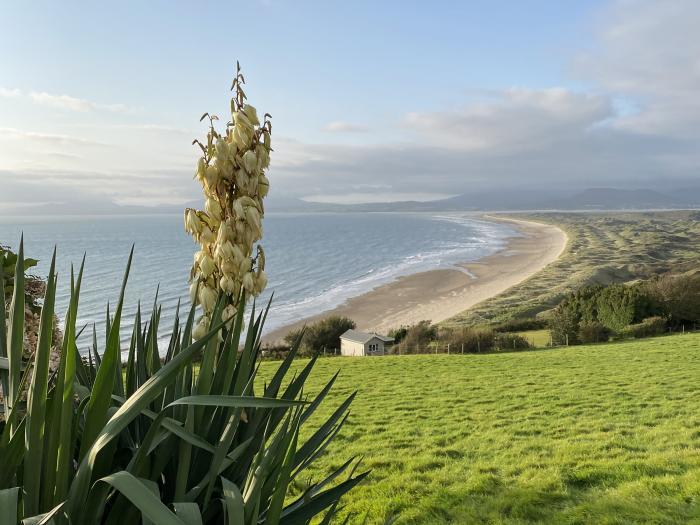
537	338
590	434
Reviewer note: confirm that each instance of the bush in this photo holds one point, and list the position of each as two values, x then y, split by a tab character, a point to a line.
520	325
650	327
323	334
473	340
399	333
507	341
156	440
593	332
417	338
564	326
679	297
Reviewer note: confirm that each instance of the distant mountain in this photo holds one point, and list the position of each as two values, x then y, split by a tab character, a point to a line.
514	200
615	199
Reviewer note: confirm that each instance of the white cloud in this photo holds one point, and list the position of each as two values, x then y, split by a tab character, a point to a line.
72	103
345	127
517	119
10	93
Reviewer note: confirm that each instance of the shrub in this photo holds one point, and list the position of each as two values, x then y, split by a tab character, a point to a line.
508	341
399	333
679	297
593	332
520	325
564	325
650	327
473	340
417	338
323	334
157	440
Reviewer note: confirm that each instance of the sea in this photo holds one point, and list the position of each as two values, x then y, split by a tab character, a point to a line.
315	261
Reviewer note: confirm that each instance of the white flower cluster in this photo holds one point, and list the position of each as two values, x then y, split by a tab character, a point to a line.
232	173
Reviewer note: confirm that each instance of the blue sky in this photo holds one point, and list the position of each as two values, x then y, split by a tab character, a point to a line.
364	95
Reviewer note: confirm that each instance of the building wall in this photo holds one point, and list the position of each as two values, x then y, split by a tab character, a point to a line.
351	348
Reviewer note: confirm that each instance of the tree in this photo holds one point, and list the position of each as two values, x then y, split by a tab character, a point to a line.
323	334
679	297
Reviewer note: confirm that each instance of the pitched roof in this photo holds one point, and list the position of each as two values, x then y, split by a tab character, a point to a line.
362	337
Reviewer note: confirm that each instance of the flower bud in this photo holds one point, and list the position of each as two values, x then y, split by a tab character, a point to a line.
244	265
225	251
192	223
252	114
222	151
263	156
201	169
227	284
263	186
248	283
201	328
206	235
238	209
242	178
193	292
207	298
213	208
260	281
212	176
249	161
229	315
206	265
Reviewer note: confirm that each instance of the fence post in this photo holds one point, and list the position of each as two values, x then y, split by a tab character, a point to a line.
462	347
567	339
478	345
448	348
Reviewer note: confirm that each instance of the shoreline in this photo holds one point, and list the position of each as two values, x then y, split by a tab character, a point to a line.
437	295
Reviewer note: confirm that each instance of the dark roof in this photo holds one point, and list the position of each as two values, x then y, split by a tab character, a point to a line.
362	337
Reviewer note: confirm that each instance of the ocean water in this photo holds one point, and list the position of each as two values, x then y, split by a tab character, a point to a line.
314	261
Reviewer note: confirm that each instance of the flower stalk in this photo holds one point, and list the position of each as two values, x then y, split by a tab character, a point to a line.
231	171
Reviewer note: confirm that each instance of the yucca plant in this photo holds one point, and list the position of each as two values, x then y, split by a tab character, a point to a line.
160	440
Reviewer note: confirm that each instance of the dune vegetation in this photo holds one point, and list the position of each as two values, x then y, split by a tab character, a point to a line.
608	433
603	248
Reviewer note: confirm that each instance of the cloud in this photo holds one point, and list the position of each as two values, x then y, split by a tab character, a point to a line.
72	103
51	138
345	127
63	102
649	52
517	119
10	93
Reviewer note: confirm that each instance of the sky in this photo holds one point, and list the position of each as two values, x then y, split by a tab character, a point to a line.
370	101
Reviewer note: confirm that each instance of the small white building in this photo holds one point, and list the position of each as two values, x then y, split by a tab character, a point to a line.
355	343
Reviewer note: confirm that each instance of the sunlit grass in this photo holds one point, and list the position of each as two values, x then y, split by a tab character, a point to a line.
590	434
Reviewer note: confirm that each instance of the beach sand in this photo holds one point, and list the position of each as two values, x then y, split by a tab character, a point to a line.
437	295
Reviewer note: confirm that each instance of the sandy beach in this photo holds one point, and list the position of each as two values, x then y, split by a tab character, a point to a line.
440	294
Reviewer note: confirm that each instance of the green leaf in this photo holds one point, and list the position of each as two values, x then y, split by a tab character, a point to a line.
131	409
106	373
233	502
142	498
8	504
236	401
15	337
188	512
36	401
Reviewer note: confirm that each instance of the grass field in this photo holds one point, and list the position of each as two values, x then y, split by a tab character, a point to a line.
537	338
589	434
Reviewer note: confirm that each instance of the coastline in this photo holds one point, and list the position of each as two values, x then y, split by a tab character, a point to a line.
437	295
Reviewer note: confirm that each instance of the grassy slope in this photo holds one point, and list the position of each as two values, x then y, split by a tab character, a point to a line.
603	248
599	434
